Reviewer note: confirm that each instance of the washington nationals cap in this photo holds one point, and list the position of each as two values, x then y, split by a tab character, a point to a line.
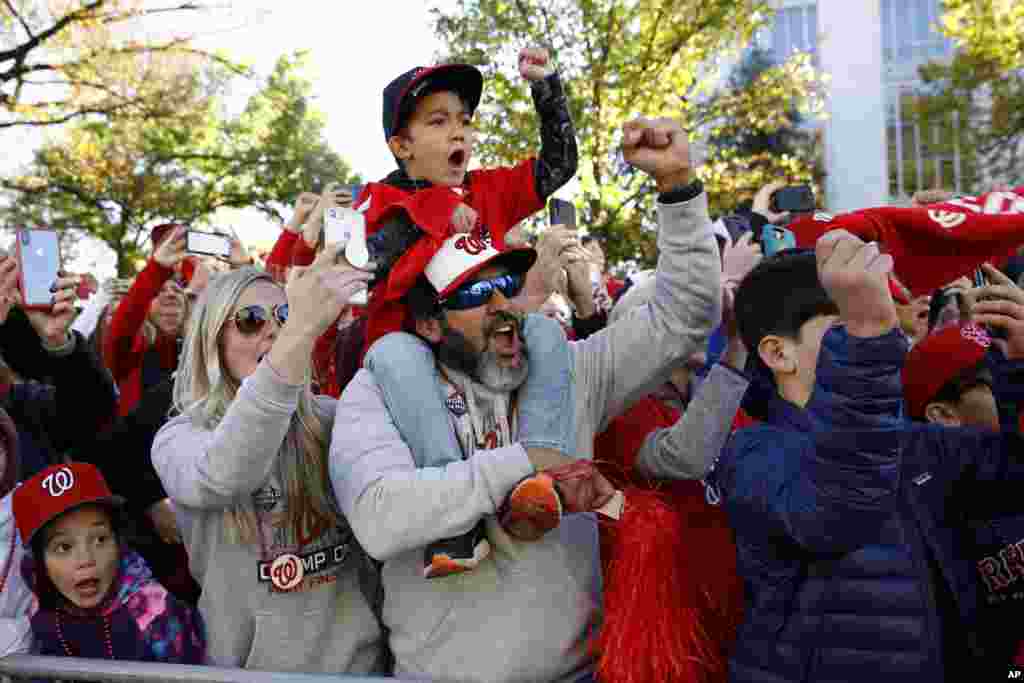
56	490
401	94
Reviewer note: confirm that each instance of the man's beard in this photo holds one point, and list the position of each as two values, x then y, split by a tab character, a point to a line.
456	351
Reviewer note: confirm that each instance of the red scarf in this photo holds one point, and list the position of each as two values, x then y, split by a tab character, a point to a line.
933	245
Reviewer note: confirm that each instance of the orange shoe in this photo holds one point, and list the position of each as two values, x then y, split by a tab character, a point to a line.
532	509
456	555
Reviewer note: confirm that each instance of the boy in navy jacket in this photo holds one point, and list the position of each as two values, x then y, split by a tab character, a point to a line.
847	518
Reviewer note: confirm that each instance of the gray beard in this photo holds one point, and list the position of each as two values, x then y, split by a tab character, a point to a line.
455	351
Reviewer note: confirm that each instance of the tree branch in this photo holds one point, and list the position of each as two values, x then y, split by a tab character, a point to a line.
21	19
19	52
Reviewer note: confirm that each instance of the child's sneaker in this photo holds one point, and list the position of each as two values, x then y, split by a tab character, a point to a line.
457	554
532	509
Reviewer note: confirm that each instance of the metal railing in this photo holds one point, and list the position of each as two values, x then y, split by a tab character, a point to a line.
81	669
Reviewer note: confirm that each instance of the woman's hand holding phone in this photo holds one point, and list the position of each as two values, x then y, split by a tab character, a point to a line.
52	326
336	196
171	251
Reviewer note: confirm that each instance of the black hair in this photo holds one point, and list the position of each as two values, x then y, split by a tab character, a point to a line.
422	302
408	107
587	239
779	295
964	381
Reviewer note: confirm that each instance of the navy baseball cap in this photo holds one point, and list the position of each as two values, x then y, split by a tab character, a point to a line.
401	94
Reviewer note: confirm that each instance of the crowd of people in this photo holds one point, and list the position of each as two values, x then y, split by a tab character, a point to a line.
746	464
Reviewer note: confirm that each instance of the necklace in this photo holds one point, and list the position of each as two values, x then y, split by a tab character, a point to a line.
107	639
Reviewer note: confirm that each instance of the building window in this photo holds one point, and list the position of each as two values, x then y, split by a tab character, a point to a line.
923	153
795	29
909	35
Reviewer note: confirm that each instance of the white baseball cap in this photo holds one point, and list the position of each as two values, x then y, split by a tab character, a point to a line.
464	254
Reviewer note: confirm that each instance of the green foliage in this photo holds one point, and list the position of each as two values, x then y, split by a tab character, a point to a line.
117	179
983	85
620	59
63	60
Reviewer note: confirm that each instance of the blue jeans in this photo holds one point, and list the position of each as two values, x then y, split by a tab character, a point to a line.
404	367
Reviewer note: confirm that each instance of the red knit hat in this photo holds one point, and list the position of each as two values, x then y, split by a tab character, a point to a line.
56	490
932	245
939	358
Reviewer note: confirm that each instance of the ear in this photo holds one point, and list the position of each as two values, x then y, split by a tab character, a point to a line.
777	354
429	329
943	413
399	146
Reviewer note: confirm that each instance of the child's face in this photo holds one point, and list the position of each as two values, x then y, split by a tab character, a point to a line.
438	140
81	555
808	347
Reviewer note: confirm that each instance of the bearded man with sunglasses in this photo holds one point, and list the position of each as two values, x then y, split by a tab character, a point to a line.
525	613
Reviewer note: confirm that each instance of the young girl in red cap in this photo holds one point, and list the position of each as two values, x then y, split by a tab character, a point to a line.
94	597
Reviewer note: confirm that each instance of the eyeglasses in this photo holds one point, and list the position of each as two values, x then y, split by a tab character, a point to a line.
250	319
478	293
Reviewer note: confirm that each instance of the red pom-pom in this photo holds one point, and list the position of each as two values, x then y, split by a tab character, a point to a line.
672	600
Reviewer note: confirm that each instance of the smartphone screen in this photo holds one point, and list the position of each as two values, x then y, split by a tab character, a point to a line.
355	190
39	261
339	225
795	199
207	243
562	212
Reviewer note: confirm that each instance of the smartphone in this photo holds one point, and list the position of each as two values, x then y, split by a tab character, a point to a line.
562	212
348	227
775	239
38	267
355	191
794	198
981	280
207	243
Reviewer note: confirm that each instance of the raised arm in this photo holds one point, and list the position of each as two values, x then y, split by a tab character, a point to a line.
119	350
688	448
559	156
629	359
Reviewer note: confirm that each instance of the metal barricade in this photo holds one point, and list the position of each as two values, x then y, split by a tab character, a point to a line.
81	669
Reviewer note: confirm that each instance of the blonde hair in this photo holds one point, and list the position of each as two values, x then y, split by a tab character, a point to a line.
204	390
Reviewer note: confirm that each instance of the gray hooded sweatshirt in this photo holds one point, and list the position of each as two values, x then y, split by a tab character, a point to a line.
525	613
282	604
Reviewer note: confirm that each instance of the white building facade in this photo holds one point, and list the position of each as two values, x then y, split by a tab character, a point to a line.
876	152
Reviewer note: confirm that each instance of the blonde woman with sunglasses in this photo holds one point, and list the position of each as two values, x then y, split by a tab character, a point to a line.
245	463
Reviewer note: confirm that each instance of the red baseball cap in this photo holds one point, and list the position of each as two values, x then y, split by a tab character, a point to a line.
56	490
939	358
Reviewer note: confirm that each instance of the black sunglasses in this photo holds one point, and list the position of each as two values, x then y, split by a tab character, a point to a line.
250	319
479	292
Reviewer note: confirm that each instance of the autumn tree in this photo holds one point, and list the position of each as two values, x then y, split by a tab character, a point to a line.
117	179
982	87
620	59
62	60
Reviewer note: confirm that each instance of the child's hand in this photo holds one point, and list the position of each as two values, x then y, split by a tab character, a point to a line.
856	276
534	64
464	218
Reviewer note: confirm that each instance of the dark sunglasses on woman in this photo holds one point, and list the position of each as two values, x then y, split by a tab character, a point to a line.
479	292
250	319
